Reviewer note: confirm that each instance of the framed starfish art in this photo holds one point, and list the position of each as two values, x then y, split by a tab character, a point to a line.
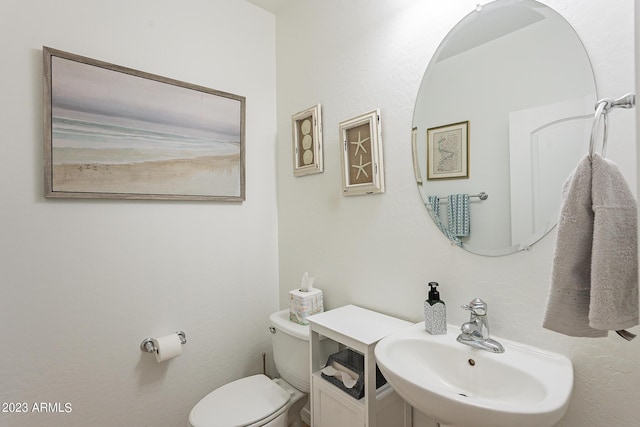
362	165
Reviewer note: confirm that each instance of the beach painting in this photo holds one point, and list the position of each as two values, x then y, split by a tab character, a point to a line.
114	132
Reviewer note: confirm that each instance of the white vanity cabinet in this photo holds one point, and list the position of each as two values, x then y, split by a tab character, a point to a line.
358	329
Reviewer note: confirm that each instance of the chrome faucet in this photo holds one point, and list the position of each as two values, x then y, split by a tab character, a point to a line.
475	332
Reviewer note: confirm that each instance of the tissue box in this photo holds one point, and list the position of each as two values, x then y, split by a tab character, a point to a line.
304	304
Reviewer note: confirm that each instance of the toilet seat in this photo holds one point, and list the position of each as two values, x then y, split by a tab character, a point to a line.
247	402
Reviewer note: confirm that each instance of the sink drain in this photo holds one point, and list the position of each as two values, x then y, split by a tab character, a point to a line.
472	362
462	394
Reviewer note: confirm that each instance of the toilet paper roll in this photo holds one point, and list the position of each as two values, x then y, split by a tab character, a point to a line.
167	347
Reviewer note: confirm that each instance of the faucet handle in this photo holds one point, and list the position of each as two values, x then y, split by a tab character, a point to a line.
477	307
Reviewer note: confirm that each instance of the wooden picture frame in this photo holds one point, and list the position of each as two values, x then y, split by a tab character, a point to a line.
307	141
448	151
362	159
117	133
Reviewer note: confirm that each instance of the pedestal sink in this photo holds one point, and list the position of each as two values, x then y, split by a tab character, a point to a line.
461	386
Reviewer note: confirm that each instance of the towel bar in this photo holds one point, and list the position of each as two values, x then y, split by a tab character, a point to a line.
482	196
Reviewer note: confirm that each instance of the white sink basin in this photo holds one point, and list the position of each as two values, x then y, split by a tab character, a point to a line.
462	386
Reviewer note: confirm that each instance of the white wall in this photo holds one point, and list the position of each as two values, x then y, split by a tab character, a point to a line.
380	251
83	282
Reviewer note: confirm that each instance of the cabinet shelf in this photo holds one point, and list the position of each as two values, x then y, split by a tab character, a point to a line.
359	329
381	392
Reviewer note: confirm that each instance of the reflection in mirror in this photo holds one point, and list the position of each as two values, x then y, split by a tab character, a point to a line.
518	75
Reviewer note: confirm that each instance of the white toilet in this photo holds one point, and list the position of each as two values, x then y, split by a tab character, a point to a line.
257	401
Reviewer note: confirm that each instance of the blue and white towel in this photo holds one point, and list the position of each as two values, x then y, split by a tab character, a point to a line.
434	204
458	211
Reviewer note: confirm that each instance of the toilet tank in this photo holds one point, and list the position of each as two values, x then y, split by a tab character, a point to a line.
291	350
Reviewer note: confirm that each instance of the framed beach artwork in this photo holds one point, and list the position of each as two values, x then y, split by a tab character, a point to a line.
307	141
448	151
115	132
362	160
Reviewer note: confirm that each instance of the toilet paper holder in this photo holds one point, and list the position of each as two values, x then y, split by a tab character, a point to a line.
148	346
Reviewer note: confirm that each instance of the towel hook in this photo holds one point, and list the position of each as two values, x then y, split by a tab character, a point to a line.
603	106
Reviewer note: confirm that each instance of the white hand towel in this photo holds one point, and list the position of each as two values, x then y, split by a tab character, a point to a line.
614	258
570	292
594	285
347	376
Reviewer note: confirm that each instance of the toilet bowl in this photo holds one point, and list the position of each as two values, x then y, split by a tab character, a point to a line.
258	401
248	402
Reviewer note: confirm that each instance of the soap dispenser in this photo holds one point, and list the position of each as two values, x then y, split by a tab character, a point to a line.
435	312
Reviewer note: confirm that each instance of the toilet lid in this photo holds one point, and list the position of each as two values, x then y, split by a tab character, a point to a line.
239	403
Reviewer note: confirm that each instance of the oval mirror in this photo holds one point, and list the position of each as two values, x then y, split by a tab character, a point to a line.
502	117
